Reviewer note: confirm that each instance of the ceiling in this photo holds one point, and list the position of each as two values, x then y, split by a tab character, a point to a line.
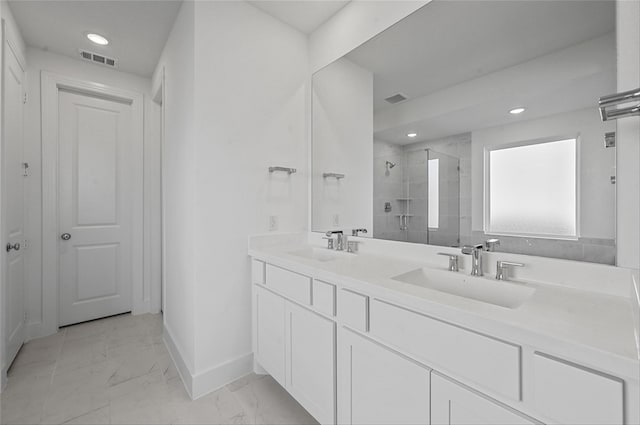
449	42
137	29
305	16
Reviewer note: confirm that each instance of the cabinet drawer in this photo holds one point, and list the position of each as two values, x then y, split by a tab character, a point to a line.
570	394
290	284
353	310
477	358
324	297
257	272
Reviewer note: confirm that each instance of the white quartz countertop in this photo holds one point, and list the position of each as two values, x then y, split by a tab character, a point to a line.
587	327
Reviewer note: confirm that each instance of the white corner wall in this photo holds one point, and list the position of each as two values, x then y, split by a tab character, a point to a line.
251	78
179	190
628	135
236	86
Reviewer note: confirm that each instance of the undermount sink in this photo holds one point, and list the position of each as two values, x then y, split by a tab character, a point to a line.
317	254
504	294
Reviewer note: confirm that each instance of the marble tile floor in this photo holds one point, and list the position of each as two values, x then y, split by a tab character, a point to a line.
118	371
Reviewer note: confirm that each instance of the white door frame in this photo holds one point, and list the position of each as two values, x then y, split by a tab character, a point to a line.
51	84
158	296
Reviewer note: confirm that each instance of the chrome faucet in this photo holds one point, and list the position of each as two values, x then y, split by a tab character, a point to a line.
490	244
502	266
453	261
341	241
476	258
355	232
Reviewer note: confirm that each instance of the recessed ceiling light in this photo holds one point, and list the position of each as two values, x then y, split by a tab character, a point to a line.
98	39
516	111
412	134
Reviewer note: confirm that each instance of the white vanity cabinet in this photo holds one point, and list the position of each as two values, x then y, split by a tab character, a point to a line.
379	386
454	404
269	323
311	361
294	344
572	394
350	356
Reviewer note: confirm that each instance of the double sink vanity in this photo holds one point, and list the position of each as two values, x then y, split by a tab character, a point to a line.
393	334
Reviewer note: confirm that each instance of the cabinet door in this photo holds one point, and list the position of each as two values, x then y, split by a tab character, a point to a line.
270	328
377	385
311	362
453	404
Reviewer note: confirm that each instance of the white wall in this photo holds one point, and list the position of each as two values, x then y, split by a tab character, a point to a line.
179	188
39	61
354	24
628	134
597	194
342	143
251	74
236	83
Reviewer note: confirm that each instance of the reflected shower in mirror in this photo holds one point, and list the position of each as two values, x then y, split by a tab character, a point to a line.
471	120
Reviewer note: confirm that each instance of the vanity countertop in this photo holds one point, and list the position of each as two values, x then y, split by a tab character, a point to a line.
591	328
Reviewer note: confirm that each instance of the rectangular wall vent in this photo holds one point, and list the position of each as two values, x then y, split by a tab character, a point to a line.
99	59
396	98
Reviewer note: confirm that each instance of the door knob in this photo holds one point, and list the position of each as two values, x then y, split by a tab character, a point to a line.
14	247
65	236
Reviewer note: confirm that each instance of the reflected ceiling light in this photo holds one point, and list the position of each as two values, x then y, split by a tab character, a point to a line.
412	135
516	111
98	39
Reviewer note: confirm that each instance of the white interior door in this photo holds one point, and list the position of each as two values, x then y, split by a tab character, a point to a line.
95	207
13	204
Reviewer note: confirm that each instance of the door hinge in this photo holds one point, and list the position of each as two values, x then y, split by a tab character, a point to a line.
26	317
25	169
24	97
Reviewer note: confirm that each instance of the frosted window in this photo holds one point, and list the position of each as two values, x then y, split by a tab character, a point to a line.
433	213
532	189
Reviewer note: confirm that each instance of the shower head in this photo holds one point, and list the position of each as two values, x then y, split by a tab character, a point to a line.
390	164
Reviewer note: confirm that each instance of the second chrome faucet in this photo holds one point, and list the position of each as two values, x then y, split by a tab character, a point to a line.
475	251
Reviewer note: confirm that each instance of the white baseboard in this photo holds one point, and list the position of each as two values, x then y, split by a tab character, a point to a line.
221	375
38	330
178	360
200	384
257	369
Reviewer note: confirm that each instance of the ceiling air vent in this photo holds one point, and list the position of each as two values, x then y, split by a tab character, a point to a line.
96	58
396	98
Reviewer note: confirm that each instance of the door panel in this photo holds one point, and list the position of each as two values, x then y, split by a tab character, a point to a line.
95	207
270	333
311	362
379	386
13	205
452	404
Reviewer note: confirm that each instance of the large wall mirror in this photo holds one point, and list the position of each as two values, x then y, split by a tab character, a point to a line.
471	120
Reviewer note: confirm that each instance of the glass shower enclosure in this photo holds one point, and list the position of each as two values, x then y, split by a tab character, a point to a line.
430	202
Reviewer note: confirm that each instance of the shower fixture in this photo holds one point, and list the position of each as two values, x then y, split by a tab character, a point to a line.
390	165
